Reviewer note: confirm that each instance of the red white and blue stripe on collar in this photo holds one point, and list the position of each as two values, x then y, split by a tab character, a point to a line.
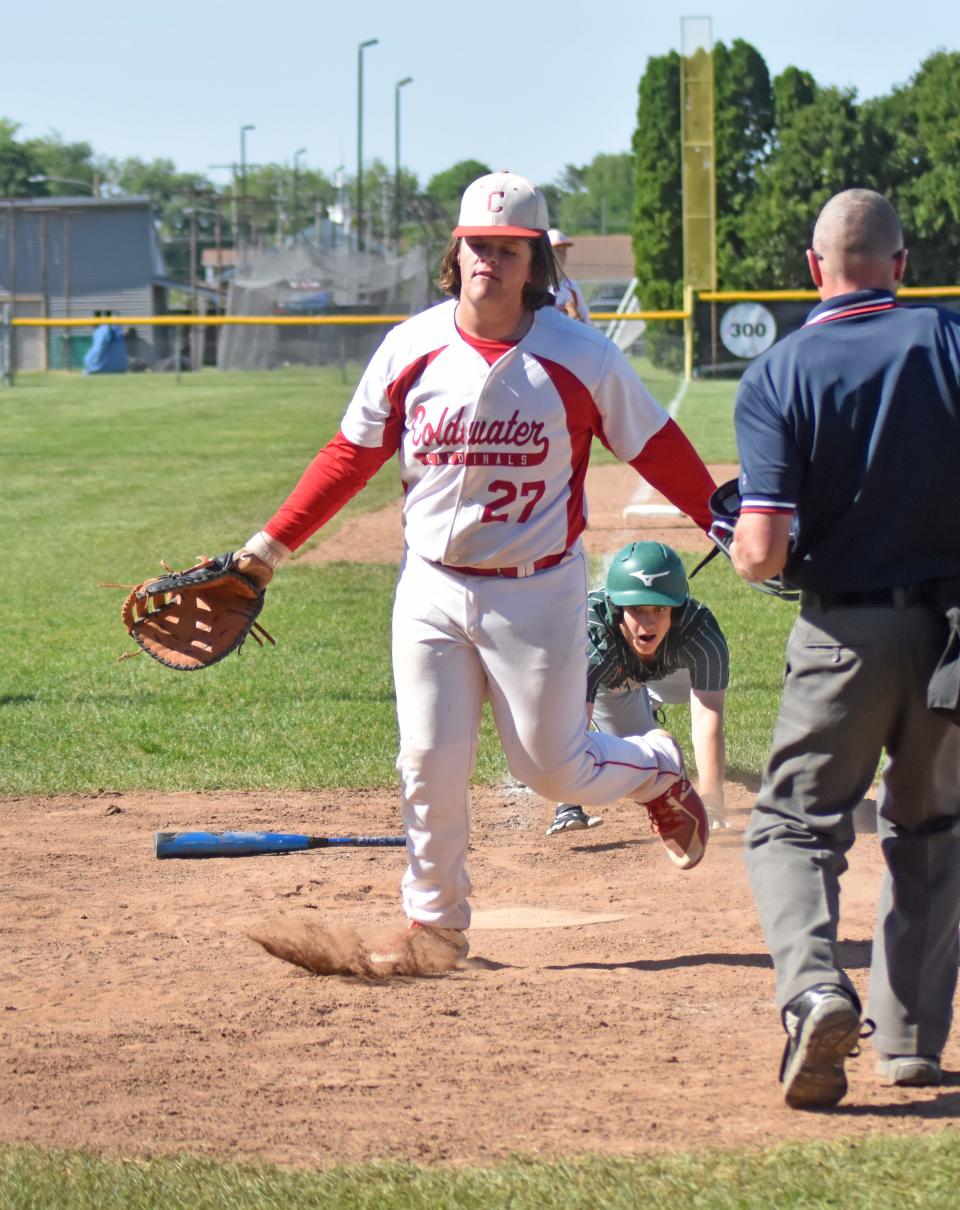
849	310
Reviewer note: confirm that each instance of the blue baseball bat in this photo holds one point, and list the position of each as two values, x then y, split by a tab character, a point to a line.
250	844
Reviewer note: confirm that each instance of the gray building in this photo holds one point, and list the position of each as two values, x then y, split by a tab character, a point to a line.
72	257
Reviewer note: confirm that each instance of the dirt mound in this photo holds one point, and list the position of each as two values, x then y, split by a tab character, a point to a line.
611	1003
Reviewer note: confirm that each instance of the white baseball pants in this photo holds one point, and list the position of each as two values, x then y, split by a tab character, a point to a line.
522	643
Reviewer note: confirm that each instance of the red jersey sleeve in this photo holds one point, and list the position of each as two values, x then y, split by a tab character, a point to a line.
669	463
334	476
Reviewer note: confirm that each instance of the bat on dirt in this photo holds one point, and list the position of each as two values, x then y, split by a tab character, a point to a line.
250	844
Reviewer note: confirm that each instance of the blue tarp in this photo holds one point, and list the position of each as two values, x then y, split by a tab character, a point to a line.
108	353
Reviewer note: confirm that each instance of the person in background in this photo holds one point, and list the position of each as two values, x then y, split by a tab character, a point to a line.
650	642
569	296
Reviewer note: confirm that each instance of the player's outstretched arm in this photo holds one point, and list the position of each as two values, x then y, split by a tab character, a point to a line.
670	463
706	726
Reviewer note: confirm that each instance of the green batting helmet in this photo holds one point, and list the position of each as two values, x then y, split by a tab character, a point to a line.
647	573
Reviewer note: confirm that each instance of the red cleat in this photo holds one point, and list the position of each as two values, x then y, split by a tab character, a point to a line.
455	938
680	820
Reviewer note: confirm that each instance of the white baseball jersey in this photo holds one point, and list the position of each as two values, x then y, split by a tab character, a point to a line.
493	441
569	291
493	458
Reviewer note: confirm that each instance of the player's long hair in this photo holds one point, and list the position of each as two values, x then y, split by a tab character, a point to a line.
538	292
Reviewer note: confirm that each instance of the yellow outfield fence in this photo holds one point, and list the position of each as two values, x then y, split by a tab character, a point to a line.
708	296
702	317
181	340
299	321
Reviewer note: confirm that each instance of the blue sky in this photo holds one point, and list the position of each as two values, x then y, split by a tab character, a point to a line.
524	86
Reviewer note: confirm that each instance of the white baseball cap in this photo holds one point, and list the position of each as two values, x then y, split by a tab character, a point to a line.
502	204
558	239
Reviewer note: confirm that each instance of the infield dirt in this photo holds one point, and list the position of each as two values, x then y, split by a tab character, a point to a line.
612	1005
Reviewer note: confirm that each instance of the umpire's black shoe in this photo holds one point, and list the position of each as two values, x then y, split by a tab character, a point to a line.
823	1029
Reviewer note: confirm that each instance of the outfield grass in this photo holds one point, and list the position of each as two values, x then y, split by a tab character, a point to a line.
104	477
876	1174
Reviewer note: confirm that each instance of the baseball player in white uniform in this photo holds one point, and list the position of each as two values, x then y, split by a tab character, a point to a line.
569	296
489	402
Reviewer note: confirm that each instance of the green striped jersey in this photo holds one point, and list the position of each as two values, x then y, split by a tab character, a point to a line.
694	642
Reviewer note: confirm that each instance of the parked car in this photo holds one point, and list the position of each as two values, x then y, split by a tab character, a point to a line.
318	302
605	302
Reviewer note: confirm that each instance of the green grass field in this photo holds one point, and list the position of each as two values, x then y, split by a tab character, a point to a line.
103	478
880	1174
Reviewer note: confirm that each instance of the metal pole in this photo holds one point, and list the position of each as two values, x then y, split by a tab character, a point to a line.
396	156
46	291
7	310
13	276
6	344
194	333
294	203
688	333
359	224
243	167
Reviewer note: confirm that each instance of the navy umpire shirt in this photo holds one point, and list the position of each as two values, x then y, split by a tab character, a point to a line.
854	422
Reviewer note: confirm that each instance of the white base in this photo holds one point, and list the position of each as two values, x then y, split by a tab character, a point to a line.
651	510
536	918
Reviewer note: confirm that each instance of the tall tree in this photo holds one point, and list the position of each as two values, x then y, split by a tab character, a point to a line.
744	127
821	148
65	162
597	198
921	169
792	90
17	164
657	225
445	188
657	222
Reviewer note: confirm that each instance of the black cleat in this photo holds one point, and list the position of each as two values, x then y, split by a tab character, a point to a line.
571	818
823	1030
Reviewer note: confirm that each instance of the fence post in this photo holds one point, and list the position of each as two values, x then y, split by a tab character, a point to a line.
688	334
6	345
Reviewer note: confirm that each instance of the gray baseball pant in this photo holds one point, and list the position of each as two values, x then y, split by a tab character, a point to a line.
855	687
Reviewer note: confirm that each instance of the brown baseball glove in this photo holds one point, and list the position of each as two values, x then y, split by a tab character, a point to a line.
194	618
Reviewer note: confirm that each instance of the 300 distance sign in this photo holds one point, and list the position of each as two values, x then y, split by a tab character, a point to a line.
747	329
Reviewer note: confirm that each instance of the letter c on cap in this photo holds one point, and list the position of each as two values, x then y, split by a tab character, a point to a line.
493	205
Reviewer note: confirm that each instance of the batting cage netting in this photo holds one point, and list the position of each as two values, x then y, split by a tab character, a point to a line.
303	280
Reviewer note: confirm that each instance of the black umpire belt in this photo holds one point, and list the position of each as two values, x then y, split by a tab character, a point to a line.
893	598
943	597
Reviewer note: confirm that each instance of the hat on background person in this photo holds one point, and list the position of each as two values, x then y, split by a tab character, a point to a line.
503	203
558	239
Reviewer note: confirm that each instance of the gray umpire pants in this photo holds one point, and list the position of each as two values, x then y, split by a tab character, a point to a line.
855	686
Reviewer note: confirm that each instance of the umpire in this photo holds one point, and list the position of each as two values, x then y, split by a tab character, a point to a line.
862	401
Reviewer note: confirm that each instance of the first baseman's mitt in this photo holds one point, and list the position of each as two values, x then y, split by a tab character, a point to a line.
194	618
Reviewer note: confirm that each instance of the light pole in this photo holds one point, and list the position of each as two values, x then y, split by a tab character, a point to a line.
296	172
396	155
360	49
243	172
42	178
